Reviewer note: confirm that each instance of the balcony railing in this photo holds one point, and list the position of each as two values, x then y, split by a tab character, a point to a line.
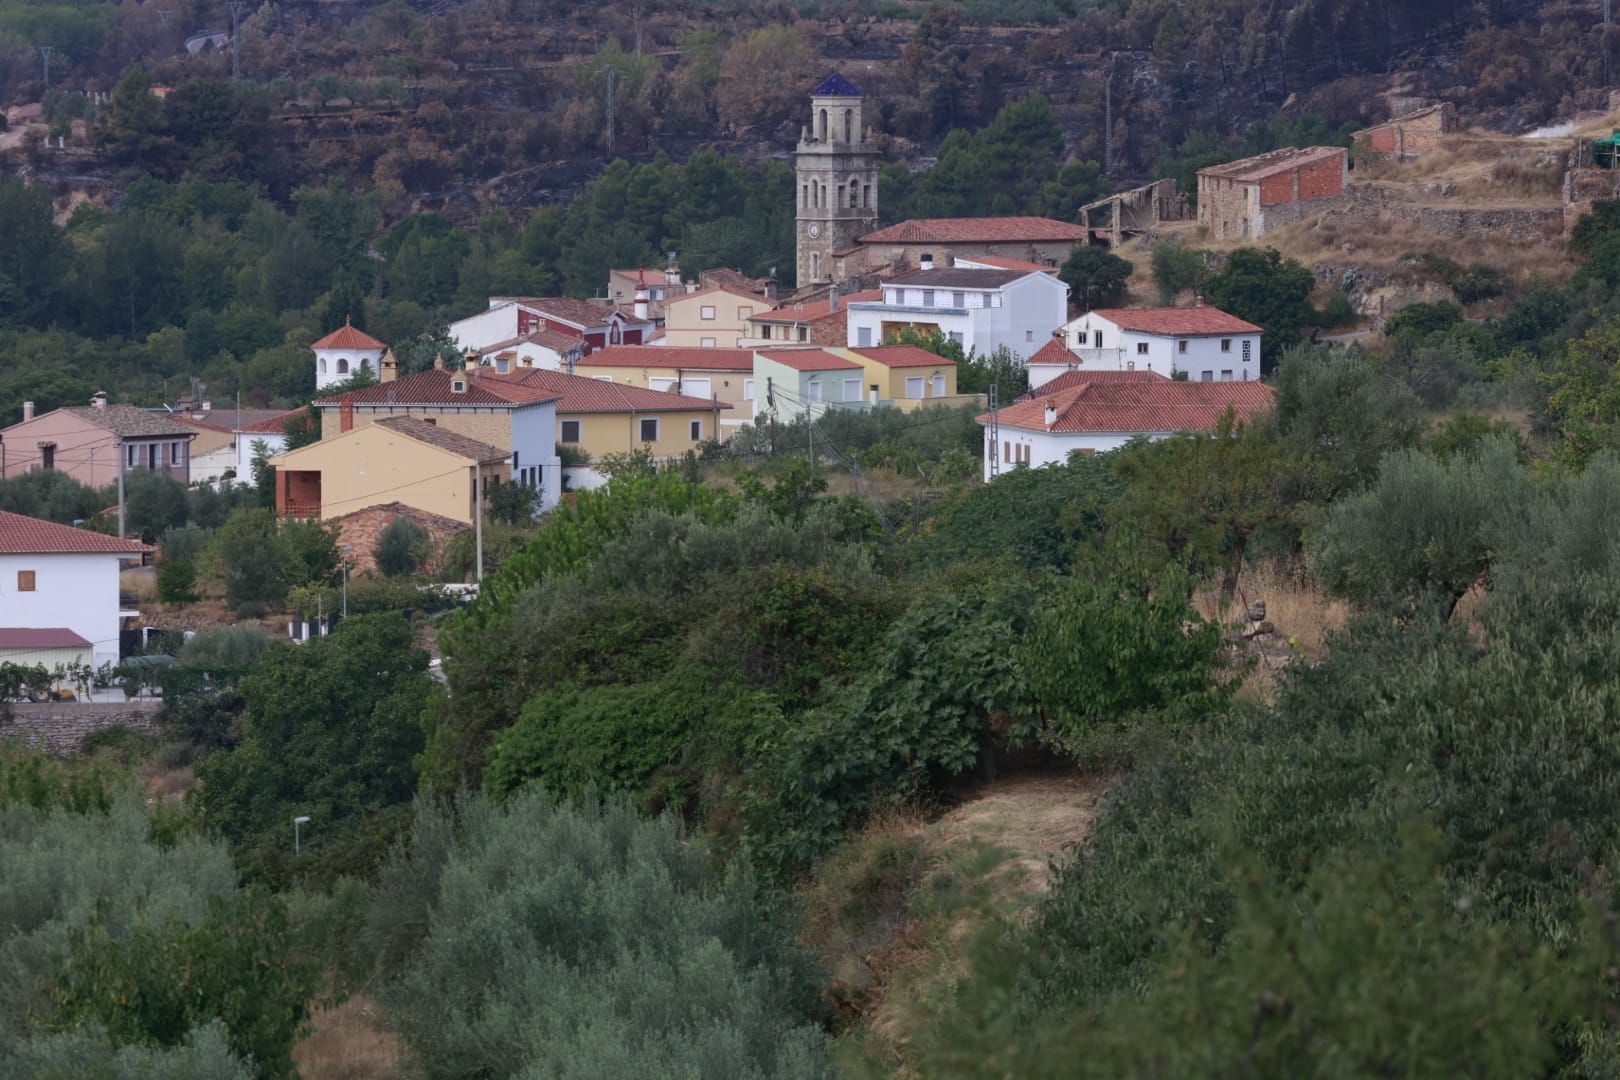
301	508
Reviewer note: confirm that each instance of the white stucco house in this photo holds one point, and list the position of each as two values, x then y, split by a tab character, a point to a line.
1090	417
1205	342
59	589
344	353
981	309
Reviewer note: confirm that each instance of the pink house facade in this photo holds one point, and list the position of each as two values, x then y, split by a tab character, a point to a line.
94	443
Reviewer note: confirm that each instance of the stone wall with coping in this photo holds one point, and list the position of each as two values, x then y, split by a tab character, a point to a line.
60	727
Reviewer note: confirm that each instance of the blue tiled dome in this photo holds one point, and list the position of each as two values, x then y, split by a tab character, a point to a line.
835	85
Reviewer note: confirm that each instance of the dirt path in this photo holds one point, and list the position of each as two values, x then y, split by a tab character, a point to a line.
1033	815
349	1043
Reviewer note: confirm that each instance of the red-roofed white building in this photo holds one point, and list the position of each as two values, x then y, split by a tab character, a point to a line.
344	353
1205	342
596	325
58	583
1094	417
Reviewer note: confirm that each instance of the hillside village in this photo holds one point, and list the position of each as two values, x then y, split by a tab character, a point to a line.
934	645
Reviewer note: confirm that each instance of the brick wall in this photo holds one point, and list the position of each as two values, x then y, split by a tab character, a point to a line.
1408	137
60	728
1318	180
362	529
1224	208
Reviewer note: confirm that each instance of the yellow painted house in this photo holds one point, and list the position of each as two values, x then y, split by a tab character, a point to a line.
907	376
404	459
723	374
603	417
714	318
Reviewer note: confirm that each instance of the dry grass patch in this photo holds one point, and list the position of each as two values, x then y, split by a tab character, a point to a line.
1295	605
349	1042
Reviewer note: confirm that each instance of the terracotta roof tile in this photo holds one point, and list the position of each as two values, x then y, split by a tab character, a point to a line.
1249	169
958	277
433	435
976	231
996	262
21	535
671	356
40	637
809	360
436	387
347	337
903	356
546	338
1130	407
578	394
1053	352
275	422
730	290
815	309
1068	380
578	313
1177	321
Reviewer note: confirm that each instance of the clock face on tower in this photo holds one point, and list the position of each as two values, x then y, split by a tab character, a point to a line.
815	231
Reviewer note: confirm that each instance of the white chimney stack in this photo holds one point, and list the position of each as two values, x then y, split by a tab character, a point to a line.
98	400
28	411
926	261
643	310
1051	414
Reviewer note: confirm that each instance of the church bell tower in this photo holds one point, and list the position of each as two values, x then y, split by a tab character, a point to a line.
837	167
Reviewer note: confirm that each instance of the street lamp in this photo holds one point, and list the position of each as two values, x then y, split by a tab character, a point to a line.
298	822
346	550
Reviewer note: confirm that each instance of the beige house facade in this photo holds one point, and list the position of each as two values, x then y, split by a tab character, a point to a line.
710	319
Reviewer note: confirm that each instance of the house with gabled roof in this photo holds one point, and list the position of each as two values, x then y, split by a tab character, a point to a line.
402	459
520	420
1205	343
95	443
981	310
907	376
1094	416
601	416
59	590
712	318
795	382
1241	200
822	322
595	325
726	375
1038	240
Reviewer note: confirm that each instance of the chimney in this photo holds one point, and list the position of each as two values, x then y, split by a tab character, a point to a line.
98	400
643	312
832	300
346	414
469	360
388	367
28	411
1198	301
1051	414
926	260
672	272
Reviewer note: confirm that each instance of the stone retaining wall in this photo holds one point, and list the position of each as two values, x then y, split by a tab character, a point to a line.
60	727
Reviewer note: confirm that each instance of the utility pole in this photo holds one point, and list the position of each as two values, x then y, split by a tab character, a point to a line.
235	7
478	521
1606	5
992	433
770	401
46	50
809	435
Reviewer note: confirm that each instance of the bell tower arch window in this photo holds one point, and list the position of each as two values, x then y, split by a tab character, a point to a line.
823	133
849	125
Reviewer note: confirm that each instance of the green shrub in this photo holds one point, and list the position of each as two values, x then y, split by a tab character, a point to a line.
177	581
402	548
225	649
583	939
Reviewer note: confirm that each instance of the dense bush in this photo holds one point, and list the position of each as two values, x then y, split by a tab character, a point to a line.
402	548
585	939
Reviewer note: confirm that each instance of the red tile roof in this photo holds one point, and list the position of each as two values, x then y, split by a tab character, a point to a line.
1053	352
652	277
976	231
1272	162
904	356
1130	407
546	338
347	337
578	394
730	290
809	360
435	388
1068	380
21	535
671	356
996	262
1177	321
815	309
40	637
433	435
276	423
